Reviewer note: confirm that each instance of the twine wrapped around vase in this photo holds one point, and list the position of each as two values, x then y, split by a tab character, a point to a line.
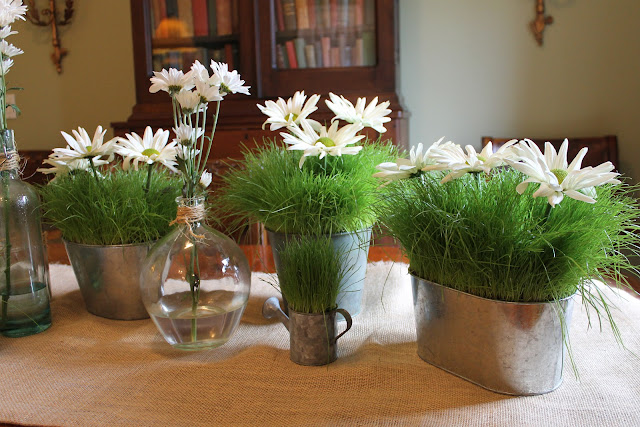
188	215
9	161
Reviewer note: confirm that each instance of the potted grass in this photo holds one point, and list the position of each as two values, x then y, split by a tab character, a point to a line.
318	183
309	279
497	252
109	213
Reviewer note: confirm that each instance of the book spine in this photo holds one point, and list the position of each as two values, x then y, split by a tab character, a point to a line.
359	13
211	13
333	13
279	15
280	57
323	14
289	12
326	51
335	56
223	17
291	54
317	47
311	7
302	14
369	13
185	14
299	44
171	7
310	55
368	48
200	17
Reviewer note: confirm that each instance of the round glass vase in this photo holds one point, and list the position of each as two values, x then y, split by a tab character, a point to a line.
24	274
195	282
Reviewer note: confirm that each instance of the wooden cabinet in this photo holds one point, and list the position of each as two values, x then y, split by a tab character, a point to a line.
348	47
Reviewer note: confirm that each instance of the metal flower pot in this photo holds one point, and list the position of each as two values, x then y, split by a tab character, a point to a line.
509	348
109	278
313	337
355	247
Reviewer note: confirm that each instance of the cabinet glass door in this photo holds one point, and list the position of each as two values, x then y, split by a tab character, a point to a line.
323	34
185	30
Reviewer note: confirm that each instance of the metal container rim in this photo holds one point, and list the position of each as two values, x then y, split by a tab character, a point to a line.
343	233
494	301
128	245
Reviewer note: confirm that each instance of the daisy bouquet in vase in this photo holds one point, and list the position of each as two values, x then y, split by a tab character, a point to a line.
519	227
24	278
195	282
314	179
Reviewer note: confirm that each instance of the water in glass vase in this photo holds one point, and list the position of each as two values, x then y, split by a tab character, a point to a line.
26	310
208	326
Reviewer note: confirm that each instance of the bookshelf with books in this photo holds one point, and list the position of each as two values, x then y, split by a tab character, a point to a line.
278	46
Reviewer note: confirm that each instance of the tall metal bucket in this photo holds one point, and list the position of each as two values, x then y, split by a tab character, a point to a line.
355	249
509	348
109	278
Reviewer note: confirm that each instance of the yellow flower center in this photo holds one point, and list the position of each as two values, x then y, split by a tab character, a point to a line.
88	148
150	152
224	89
561	174
482	158
291	117
326	141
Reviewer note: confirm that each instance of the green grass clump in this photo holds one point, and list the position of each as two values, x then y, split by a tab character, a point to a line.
330	195
310	274
478	235
115	210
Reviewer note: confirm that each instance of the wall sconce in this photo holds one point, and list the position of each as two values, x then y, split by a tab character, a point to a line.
541	21
49	17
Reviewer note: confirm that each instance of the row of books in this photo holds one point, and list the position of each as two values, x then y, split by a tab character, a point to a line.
183	58
189	18
310	14
326	52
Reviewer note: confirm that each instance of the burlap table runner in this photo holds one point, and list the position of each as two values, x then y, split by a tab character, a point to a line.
86	371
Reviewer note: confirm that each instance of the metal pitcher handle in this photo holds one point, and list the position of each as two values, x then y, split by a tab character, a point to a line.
347	317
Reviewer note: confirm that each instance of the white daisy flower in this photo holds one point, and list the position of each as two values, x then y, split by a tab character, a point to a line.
190	102
185	153
406	168
371	115
6	32
61	167
5	65
80	146
172	81
451	157
187	135
205	179
228	81
199	72
151	148
10	10
556	177
284	113
207	91
332	141
8	50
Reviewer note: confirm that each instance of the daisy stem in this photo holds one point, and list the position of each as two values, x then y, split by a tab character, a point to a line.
175	111
202	137
3	99
149	170
194	285
93	169
213	132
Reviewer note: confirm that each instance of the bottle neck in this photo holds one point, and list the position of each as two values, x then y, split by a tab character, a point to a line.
9	158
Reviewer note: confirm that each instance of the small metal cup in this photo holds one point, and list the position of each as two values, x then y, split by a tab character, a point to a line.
312	337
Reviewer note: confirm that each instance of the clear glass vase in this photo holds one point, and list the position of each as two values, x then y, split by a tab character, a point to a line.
195	282
24	274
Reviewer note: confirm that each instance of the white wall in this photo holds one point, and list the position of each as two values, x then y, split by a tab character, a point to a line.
470	68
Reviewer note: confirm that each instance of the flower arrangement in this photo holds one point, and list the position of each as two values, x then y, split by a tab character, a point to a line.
515	225
321	183
95	201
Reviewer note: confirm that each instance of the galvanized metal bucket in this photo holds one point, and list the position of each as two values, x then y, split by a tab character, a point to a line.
509	348
109	278
313	338
355	247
